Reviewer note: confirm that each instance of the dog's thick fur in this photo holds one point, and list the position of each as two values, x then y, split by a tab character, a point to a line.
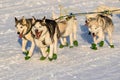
24	27
67	27
99	26
46	34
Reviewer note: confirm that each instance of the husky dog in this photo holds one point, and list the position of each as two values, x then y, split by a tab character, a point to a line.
24	27
46	34
98	27
67	27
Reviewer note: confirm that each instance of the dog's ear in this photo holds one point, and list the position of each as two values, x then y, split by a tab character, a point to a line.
24	20
43	21
16	20
33	19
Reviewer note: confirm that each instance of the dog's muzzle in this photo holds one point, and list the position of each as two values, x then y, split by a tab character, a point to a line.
38	34
20	34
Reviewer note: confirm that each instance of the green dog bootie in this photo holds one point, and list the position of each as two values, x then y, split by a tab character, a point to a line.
42	58
75	43
112	46
27	57
71	46
26	53
101	43
61	46
50	59
54	56
94	46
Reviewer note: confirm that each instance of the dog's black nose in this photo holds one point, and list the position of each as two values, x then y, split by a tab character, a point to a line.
18	32
36	30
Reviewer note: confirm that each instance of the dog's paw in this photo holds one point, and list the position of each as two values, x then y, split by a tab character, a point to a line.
50	59
71	46
26	53
93	46
101	43
61	46
112	46
75	43
54	56
42	58
27	57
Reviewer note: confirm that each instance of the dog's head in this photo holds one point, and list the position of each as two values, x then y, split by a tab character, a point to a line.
89	18
39	28
94	27
21	26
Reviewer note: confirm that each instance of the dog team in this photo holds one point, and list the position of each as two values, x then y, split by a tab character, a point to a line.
45	33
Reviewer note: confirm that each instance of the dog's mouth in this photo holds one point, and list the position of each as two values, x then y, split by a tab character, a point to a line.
21	34
38	34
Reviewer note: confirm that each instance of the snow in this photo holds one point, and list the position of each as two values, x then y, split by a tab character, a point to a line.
78	63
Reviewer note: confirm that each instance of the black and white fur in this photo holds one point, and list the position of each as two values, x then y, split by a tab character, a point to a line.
46	34
24	27
100	25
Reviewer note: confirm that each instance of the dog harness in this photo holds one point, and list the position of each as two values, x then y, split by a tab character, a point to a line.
28	30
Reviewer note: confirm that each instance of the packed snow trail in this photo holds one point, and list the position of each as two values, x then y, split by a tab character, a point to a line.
78	63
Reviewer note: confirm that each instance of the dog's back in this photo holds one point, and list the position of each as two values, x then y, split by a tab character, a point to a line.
105	22
52	26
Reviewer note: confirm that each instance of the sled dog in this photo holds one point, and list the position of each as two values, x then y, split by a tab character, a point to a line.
68	28
24	27
46	34
98	27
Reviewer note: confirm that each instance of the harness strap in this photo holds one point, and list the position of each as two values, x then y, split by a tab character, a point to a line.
28	30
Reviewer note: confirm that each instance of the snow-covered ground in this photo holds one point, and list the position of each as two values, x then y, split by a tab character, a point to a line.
78	63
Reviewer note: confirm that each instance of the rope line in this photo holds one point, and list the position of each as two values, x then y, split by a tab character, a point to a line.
108	12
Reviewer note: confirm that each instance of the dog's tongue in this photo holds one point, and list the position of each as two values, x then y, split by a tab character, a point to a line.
20	36
38	34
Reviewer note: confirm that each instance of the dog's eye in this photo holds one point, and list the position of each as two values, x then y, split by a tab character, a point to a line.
40	26
21	27
95	28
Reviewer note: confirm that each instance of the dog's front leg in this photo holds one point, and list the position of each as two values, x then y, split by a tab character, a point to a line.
31	49
100	39
24	42
44	53
94	45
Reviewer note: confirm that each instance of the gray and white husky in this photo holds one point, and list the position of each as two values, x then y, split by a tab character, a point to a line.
98	26
24	27
68	28
46	34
